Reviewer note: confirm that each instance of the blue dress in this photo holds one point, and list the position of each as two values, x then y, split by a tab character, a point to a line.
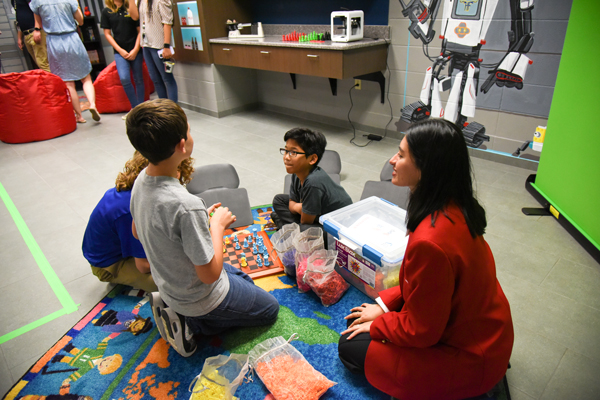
67	55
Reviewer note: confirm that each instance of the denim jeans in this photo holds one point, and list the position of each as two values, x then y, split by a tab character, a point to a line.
134	94
244	305
164	82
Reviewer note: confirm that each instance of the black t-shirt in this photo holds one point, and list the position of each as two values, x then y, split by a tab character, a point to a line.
24	15
319	194
124	29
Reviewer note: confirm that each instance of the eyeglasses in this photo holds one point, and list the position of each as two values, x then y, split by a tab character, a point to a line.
292	153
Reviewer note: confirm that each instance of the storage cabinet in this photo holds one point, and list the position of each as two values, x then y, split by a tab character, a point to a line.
336	64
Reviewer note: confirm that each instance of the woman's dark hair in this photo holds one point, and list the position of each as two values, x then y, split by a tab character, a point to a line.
439	151
311	142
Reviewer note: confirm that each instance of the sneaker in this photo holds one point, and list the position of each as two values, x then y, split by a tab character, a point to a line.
179	335
276	220
157	306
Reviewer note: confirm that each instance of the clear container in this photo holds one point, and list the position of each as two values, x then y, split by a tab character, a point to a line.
370	237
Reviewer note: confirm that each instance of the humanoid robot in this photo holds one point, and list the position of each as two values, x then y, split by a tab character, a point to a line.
464	27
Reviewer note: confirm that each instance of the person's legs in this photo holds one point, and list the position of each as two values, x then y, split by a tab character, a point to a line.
137	66
353	352
245	305
124	71
170	83
90	93
154	64
75	101
125	272
38	51
128	274
281	206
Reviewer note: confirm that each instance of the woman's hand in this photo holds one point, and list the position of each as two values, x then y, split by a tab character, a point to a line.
356	329
124	54
167	54
37	37
364	313
132	54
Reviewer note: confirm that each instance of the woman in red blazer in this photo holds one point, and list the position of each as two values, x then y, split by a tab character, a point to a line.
446	331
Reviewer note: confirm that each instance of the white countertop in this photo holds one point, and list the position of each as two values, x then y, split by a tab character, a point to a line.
276	41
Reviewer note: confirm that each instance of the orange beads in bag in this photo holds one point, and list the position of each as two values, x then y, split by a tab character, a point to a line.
285	371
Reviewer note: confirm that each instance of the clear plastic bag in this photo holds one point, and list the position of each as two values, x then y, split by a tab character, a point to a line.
282	242
322	277
285	371
220	377
306	243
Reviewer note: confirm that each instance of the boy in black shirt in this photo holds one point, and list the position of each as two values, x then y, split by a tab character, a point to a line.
312	192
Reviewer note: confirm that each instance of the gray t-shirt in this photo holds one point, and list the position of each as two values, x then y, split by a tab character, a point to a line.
172	225
319	194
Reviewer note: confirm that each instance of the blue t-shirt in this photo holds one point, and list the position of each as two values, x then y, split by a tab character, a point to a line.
108	237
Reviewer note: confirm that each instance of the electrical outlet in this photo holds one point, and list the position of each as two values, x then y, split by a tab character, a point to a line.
358	84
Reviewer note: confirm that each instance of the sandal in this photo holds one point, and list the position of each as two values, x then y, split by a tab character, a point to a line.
95	115
80	120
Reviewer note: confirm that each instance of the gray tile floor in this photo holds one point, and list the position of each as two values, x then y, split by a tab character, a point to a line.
553	285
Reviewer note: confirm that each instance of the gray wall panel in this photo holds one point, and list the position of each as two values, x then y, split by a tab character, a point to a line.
536	100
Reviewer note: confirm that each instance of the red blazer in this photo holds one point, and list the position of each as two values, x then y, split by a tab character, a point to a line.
449	332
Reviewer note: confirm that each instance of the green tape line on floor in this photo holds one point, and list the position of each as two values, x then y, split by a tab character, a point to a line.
61	293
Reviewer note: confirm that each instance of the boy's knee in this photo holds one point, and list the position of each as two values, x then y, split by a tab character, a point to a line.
272	310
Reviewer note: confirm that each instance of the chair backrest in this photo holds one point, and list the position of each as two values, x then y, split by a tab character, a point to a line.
235	199
213	176
331	162
386	189
386	172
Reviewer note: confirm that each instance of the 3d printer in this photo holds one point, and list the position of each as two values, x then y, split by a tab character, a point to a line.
234	30
352	24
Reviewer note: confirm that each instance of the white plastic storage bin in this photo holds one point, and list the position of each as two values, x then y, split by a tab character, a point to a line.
370	237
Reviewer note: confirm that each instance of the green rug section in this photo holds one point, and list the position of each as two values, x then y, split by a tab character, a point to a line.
309	331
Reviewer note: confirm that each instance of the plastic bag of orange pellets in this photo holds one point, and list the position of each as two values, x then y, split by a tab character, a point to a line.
285	371
220	377
306	243
323	279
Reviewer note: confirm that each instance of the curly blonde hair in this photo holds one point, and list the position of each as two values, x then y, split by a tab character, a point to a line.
113	7
137	164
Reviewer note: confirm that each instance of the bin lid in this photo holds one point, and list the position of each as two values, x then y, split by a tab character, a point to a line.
373	224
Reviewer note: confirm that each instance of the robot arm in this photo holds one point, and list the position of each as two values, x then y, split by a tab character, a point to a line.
422	15
510	72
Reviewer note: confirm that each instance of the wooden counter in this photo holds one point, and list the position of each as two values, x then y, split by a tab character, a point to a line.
363	59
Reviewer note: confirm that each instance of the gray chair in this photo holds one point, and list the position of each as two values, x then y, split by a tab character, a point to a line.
330	163
219	183
385	189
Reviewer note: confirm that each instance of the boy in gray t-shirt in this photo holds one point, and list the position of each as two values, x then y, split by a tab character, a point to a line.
183	239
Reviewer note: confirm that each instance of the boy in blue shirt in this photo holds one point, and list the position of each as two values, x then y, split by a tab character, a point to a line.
312	191
183	239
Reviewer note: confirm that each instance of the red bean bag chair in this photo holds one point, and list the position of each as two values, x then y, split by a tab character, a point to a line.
110	95
34	105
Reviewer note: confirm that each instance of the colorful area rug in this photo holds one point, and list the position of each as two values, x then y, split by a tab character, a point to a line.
116	352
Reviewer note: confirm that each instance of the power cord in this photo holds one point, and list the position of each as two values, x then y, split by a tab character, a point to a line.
372	137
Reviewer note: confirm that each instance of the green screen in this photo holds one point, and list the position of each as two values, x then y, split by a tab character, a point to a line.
569	170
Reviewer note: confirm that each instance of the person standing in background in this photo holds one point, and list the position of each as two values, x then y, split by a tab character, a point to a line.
156	20
26	25
66	53
123	33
